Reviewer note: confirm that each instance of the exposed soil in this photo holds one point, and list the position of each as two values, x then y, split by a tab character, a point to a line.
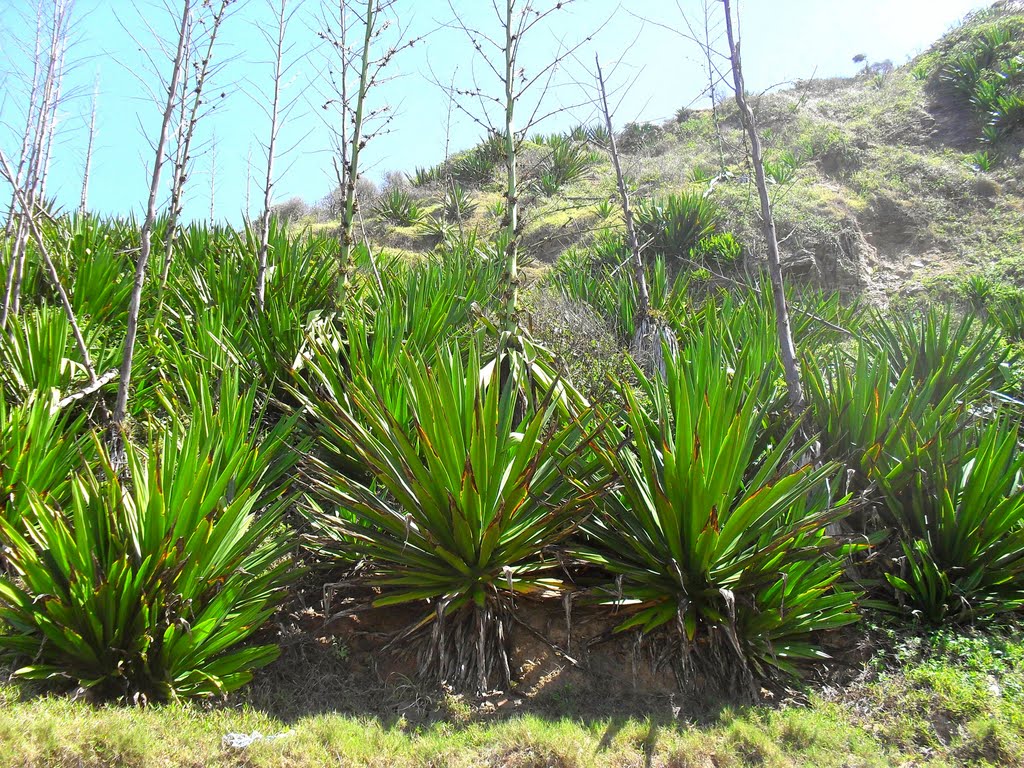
361	665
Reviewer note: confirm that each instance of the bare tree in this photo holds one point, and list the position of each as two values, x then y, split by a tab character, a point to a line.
789	362
643	310
83	205
128	353
30	111
500	52
213	181
28	216
53	18
192	103
361	44
248	181
277	113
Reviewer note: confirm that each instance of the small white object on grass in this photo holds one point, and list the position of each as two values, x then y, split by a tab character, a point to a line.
244	740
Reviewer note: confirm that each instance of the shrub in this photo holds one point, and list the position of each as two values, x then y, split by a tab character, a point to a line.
598	136
40	447
423	177
980	161
1008	112
144	591
398	207
458	203
638	137
38	354
605	209
713	538
721	248
959	514
675	225
958	359
870	416
567	163
478	165
466	498
290	211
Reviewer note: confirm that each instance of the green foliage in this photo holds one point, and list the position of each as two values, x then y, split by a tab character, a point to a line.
458	203
960	517
598	136
398	207
782	167
675	225
439	228
38	354
720	248
636	138
422	309
497	209
988	69
143	591
712	529
478	165
957	359
468	494
870	416
1008	313
979	292
40	447
980	161
606	208
423	177
568	162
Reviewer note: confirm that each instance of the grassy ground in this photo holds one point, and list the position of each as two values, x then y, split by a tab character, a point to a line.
946	699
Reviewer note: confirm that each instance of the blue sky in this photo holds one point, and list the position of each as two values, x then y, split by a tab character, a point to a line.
783	40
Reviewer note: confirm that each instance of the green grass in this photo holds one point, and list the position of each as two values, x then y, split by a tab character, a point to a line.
944	699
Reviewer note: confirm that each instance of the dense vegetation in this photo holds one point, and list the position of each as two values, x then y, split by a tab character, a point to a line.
388	443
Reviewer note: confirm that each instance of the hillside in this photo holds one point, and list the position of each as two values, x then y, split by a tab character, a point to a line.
273	498
891	183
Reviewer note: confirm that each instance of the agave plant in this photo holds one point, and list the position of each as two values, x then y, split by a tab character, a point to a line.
420	311
714	539
398	207
468	496
871	415
676	225
144	591
458	203
958	358
40	447
569	162
38	354
960	517
102	282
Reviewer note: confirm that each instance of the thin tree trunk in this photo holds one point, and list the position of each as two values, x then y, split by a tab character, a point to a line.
783	328
51	129
715	117
261	258
184	151
644	308
128	355
83	205
29	219
213	183
38	158
26	136
13	303
356	141
511	304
